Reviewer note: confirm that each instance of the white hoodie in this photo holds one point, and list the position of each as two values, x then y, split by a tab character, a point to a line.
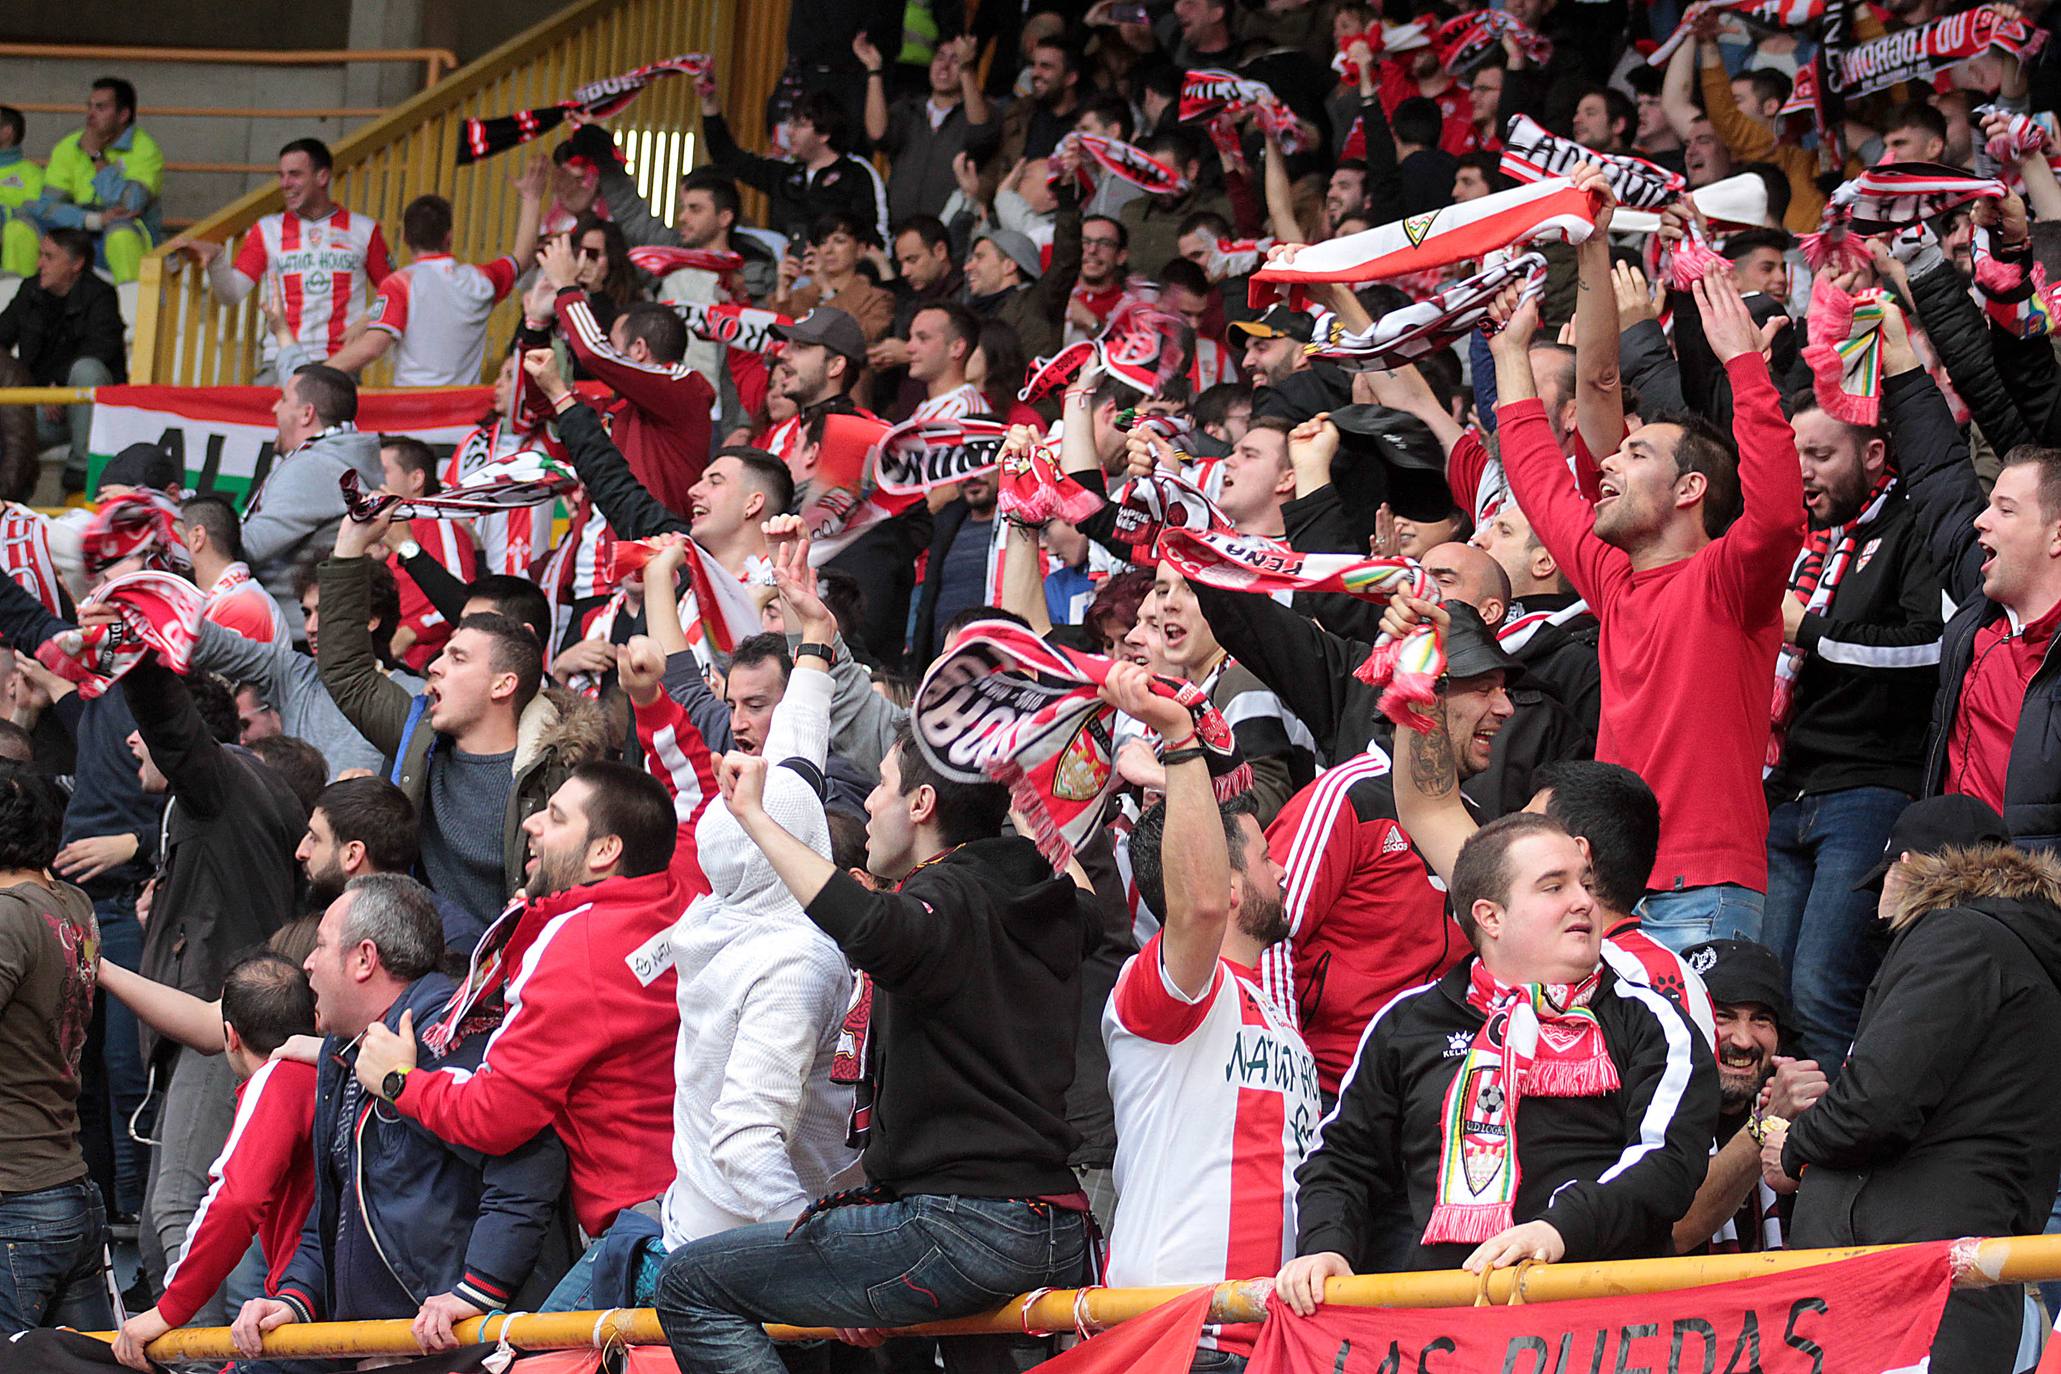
758	1128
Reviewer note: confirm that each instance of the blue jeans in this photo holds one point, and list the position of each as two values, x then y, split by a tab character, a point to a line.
53	1240
1689	916
1818	847
918	1259
121	1052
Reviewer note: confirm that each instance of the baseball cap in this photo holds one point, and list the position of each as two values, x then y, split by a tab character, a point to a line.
1016	247
1279	323
1736	971
831	327
1928	826
1471	647
141	465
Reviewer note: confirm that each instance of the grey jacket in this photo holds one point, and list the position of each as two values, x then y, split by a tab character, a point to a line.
292	682
297	508
633	216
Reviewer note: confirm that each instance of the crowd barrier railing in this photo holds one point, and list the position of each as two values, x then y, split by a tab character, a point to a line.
1978	1263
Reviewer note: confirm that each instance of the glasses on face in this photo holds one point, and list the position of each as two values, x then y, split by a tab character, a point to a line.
1110	244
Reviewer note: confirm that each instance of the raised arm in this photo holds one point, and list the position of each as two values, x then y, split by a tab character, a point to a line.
1598	390
631	510
376	705
1427	777
178	1015
1762	542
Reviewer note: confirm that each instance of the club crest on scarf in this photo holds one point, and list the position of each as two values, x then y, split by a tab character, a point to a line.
1003	706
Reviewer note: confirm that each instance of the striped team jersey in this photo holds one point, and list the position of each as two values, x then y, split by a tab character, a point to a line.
958	403
1216	1106
238	603
437	308
326	267
25	556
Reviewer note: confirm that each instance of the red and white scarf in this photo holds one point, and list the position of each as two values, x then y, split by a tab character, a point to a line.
2022	136
2016	294
517	482
156	612
1532	154
1844	352
662	260
1920	54
1897	195
1822	562
917	456
1031	490
1124	161
1771	14
1536	1040
1403	336
1407	669
1234	257
599	99
1004	706
514	538
744	327
1550	211
1518	630
722	609
1147	507
1465	41
141	524
1208	91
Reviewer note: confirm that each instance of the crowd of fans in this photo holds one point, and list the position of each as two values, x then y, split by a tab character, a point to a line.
1689	910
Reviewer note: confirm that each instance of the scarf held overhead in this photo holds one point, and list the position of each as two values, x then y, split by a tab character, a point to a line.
481	138
1536	1039
1549	211
1207	92
1004	706
1532	154
1408	669
1920	54
917	456
1124	161
1465	41
1402	336
1772	14
1845	352
523	479
156	612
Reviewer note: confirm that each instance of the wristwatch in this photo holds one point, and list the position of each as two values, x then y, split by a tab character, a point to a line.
407	548
390	1086
1760	1126
822	651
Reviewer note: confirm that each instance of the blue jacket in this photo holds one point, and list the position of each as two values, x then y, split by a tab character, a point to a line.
446	1219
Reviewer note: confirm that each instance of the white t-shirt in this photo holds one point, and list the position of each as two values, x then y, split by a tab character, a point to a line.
437	307
1216	1105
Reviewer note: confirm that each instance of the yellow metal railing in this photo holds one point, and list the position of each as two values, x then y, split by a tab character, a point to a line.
2005	1259
185	337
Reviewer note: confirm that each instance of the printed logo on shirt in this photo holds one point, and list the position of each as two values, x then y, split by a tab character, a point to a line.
1867	552
1394	843
651	959
1457	1044
1265	1062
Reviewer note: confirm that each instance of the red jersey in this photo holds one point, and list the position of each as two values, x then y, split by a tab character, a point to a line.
1686	649
261	1184
591	1013
1992	698
1456	135
326	268
448	543
662	419
1366	918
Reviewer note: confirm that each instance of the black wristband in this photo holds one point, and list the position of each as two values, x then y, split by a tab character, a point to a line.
822	651
1188	755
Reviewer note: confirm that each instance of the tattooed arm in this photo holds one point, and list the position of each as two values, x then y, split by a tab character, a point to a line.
1427	775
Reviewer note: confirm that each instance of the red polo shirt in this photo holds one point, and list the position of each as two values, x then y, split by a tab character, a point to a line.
1992	696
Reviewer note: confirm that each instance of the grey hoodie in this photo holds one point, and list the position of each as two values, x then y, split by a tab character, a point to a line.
297	509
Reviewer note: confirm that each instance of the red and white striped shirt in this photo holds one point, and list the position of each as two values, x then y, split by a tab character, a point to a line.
25	555
958	403
1216	1105
327	269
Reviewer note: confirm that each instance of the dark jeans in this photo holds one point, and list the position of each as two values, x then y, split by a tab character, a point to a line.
918	1259
1819	927
53	1240
121	941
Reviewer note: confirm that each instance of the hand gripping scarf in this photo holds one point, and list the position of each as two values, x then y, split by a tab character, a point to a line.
1403	336
158	612
1146	347
1408	669
742	327
483	138
1147	507
662	261
1824	559
1550	211
521	480
1897	195
1465	41
1381	41
1845	352
1207	91
917	456
1031	490
1125	161
2022	136
1004	706
2016	294
723	608
1538	1040
1532	154
1772	14
1920	54
137	524
1236	257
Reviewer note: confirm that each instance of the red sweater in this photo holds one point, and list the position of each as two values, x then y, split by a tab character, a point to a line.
262	1184
663	422
1687	650
586	1042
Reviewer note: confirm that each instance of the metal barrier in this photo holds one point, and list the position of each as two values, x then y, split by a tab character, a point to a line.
185	337
2012	1259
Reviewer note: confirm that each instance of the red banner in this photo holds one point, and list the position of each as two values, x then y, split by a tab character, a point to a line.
1872	1315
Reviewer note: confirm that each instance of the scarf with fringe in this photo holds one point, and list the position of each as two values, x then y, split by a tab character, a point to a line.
1537	1039
1004	706
1030	488
1407	669
137	524
1845	352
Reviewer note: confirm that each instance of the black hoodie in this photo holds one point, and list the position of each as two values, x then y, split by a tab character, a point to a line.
976	965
